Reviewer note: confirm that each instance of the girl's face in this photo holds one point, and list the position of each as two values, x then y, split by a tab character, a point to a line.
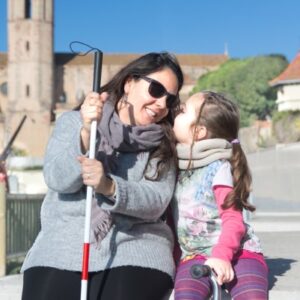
184	123
141	108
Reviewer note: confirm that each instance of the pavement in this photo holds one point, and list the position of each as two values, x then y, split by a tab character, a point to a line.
280	237
11	287
279	231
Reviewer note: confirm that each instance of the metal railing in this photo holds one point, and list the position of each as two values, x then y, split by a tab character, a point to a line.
22	222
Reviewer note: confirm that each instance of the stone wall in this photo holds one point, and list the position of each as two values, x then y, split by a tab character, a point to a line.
258	136
276	173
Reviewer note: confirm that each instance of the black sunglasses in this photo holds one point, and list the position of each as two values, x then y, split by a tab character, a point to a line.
157	90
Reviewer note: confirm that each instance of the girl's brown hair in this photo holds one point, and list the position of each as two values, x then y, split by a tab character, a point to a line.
221	118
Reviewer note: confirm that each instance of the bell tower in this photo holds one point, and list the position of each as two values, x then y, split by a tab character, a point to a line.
30	72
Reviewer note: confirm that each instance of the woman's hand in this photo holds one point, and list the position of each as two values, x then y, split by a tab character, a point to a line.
90	110
222	268
93	175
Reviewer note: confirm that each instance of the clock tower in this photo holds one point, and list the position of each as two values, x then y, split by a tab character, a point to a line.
30	72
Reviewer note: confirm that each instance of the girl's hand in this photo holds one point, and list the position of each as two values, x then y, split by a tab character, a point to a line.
91	109
222	268
93	175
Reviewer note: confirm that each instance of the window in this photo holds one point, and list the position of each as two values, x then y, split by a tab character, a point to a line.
80	95
27	46
27	90
45	7
3	88
62	98
27	9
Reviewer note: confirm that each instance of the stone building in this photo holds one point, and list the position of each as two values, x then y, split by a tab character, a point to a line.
288	86
41	84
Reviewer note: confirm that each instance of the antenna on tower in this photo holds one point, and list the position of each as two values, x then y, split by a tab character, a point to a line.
226	52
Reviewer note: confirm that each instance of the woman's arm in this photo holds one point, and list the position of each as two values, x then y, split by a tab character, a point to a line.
145	199
62	171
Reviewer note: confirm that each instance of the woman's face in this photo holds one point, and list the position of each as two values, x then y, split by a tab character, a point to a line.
141	108
184	122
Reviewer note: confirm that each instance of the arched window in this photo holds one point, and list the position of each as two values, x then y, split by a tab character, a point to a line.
27	90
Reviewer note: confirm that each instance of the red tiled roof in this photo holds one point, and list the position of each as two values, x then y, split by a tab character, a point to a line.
290	75
200	60
207	60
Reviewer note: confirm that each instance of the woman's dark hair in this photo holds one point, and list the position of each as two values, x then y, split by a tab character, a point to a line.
221	118
142	66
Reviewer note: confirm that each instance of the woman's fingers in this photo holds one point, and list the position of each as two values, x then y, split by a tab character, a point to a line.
89	164
92	171
92	107
95	99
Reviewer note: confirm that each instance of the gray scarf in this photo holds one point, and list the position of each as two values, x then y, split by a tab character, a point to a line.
114	136
118	137
203	153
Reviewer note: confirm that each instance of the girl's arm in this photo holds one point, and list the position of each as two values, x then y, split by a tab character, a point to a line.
233	228
232	231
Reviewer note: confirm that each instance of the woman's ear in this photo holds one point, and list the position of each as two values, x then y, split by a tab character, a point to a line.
200	132
127	85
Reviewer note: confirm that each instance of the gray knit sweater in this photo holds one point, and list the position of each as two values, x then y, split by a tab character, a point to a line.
138	236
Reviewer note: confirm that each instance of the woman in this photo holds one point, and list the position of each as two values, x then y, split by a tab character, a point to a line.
133	178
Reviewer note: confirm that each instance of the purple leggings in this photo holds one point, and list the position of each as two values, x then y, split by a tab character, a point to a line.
250	281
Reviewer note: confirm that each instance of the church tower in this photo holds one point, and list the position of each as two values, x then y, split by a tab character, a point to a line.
30	72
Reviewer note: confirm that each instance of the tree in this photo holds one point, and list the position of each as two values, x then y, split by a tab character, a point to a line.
245	81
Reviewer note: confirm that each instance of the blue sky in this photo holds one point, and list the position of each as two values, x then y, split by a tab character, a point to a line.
248	27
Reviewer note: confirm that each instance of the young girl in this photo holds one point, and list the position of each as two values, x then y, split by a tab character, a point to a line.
212	190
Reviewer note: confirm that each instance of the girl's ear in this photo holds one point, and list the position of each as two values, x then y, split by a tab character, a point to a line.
200	132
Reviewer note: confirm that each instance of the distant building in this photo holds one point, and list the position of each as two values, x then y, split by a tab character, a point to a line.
288	86
40	83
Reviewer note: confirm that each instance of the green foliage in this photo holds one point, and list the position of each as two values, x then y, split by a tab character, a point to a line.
13	266
245	81
279	115
18	151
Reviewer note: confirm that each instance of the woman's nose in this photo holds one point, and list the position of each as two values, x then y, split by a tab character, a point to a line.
161	102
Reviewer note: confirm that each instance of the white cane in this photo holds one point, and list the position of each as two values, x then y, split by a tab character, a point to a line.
89	195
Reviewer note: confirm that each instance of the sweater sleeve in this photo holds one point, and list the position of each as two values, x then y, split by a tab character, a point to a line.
145	199
62	171
233	228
